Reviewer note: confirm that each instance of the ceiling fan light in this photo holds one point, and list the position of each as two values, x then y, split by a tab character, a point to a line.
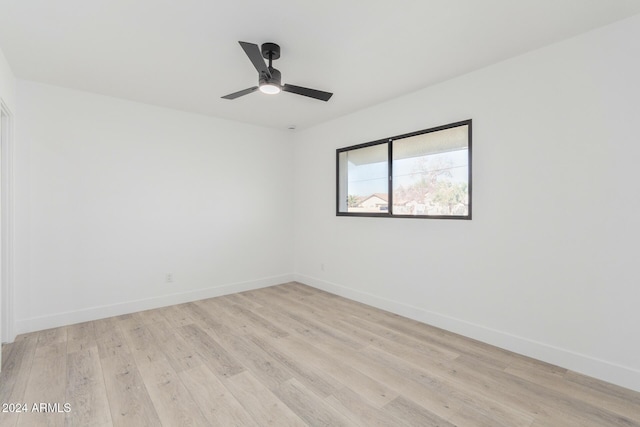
269	89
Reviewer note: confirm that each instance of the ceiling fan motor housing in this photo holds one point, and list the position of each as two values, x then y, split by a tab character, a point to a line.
276	78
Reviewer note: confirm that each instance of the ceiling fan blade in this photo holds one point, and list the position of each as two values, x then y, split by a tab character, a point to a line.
254	54
311	93
240	93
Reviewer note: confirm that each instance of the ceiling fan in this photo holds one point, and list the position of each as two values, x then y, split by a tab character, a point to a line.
270	79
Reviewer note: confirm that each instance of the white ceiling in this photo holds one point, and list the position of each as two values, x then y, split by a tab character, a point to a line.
184	54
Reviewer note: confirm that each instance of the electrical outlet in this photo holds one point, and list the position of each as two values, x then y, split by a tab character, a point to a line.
168	278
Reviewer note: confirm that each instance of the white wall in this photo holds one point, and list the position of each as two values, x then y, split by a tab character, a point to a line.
548	265
112	195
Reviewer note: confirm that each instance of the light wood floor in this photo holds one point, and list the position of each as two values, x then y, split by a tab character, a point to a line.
290	355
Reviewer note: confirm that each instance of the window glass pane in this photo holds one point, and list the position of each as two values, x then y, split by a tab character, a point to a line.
363	176
431	173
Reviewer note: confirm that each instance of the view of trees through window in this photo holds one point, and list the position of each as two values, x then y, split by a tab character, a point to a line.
428	174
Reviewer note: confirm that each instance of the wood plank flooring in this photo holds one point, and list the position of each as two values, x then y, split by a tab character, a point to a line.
289	355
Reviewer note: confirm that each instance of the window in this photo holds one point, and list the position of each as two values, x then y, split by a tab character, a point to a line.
425	174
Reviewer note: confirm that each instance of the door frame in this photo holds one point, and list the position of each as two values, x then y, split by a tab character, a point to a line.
6	224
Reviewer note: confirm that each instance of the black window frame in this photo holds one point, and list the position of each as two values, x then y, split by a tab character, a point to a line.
389	141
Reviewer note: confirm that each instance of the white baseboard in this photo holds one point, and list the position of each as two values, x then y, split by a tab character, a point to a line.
100	312
607	371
